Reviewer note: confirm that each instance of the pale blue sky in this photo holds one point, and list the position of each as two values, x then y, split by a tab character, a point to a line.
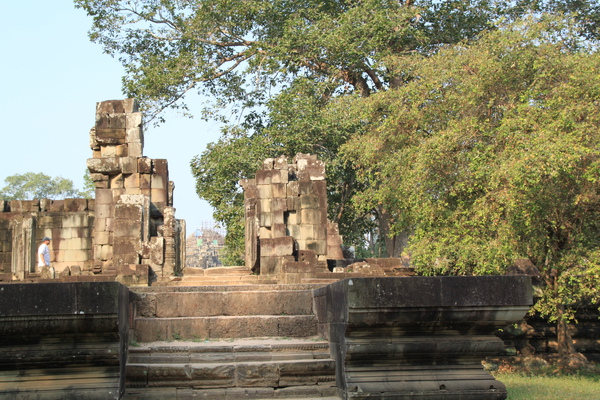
51	78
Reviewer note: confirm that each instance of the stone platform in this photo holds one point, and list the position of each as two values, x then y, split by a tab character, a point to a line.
419	337
63	340
358	338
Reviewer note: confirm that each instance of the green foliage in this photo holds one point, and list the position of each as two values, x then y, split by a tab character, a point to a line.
89	187
490	153
29	186
296	75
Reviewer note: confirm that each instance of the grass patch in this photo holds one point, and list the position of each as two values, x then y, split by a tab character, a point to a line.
545	387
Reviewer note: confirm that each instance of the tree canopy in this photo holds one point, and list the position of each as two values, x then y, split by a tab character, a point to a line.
278	66
30	185
490	154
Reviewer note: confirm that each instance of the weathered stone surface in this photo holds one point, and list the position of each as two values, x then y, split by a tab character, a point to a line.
104	166
58	326
283	246
368	321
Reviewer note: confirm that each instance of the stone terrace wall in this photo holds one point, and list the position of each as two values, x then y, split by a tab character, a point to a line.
23	224
286	217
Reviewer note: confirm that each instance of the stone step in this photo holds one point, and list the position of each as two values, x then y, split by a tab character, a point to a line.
197	280
226	288
188	271
223	303
265	368
322	392
199	328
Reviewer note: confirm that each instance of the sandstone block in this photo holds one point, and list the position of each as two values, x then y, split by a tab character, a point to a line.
133	134
157	245
134	119
265	232
109	224
103	210
265	219
244	327
105	252
131	181
278	230
264	206
144	165
159	182
264	191
98	177
135	149
249	186
268	164
129	211
76	255
75	204
307	255
75	220
281	163
313	216
263	177
279	190
278	218
293	189
293	230
117	106
110	136
318	246
108	151
24	205
170	191
104	196
283	246
292	203
159	196
102	237
129	165
121	150
261	375
144	181
109	165
128	228
291	218
160	167
116	181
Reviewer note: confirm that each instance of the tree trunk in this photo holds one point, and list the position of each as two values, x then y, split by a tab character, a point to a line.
394	245
566	348
569	359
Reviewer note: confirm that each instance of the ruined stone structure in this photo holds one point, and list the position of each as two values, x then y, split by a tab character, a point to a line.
286	217
24	223
135	220
203	248
128	233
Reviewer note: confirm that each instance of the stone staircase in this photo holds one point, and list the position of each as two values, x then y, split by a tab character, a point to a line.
227	341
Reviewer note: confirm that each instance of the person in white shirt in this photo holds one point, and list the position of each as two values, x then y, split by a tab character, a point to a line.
44	256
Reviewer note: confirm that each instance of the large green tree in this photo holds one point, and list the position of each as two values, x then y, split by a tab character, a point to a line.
492	153
277	66
30	185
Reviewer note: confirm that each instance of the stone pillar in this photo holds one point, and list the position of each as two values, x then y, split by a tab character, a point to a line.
23	246
135	219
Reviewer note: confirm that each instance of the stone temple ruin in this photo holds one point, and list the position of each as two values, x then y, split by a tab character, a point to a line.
124	318
128	233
